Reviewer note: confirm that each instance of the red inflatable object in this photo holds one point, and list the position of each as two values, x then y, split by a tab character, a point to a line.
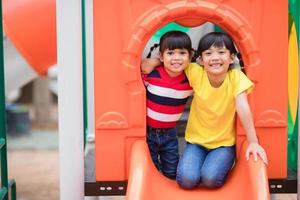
31	26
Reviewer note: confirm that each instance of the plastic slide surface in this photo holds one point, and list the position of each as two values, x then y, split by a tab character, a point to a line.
247	181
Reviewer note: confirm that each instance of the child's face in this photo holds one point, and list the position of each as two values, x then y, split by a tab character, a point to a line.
216	60
175	61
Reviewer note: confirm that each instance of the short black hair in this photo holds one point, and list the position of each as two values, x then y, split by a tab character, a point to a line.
175	40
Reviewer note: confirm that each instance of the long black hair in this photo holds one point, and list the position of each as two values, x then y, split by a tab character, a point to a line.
173	40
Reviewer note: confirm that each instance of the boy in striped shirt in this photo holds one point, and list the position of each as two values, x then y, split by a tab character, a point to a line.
168	90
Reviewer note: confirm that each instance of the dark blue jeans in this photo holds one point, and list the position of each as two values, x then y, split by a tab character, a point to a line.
205	167
163	146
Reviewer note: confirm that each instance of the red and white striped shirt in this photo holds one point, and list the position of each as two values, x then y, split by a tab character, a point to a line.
166	97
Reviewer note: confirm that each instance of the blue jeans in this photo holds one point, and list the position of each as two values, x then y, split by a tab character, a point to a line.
205	167
163	146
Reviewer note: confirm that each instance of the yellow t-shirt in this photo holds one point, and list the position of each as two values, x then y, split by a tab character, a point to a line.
211	121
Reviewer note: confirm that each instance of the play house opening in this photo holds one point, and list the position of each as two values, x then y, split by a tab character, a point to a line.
192	17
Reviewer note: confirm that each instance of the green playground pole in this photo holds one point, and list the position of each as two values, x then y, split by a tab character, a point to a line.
3	148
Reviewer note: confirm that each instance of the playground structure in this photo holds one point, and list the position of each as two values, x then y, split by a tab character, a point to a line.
120	125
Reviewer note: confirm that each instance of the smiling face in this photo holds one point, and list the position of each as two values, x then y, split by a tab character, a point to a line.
216	61
175	61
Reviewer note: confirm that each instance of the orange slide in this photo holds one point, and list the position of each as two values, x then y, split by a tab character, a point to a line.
247	181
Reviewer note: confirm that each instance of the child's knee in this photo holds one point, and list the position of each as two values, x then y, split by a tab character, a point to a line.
211	181
187	181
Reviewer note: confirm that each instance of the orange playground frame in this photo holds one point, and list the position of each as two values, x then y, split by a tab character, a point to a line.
120	95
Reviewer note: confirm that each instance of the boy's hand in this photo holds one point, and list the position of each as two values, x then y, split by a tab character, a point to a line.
255	149
149	64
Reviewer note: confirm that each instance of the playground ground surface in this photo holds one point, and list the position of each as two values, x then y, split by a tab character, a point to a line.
33	163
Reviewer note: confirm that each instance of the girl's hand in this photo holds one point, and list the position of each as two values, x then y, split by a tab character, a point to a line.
255	149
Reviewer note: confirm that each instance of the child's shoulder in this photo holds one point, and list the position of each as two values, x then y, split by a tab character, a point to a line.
193	68
236	73
194	64
156	73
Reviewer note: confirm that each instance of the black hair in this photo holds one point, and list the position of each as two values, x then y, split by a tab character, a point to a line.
173	40
217	39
